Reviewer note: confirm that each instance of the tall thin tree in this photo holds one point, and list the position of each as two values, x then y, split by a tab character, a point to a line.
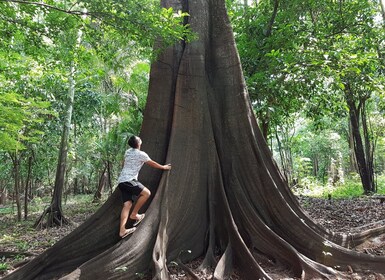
53	213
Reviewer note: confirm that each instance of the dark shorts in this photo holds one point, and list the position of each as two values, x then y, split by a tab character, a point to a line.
130	189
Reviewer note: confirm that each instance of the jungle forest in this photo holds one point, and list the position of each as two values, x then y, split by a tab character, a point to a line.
262	107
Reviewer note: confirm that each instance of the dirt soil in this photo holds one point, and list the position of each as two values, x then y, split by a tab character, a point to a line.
19	242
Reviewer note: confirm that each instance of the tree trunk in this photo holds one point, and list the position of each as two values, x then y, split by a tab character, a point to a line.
269	27
224	199
366	173
315	165
54	212
369	147
26	189
109	175
16	174
264	125
3	195
101	184
284	160
76	188
352	155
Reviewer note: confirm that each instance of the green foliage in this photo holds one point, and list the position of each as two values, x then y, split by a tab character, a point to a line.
39	44
3	266
350	189
18	115
305	55
308	58
309	186
22	245
381	184
6	210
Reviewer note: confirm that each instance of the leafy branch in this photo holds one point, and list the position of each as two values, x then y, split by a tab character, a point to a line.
68	11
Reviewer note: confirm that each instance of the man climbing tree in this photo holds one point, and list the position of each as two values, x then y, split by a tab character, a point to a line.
130	187
226	200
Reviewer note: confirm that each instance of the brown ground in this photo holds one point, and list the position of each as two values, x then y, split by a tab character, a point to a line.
338	215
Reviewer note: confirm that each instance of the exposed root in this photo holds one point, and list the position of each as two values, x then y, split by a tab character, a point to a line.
225	264
186	269
159	255
52	216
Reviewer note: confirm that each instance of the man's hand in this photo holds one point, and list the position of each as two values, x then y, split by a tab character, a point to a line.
159	166
167	167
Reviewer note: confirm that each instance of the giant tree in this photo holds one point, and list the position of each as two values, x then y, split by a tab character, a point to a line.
224	198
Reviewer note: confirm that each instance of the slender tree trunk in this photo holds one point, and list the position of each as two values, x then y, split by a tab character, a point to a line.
352	155
264	124
315	165
26	188
282	156
16	173
264	118
270	25
369	146
54	212
109	174
366	174
102	183
76	179
3	195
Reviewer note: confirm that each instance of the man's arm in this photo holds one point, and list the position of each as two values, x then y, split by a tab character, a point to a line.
158	166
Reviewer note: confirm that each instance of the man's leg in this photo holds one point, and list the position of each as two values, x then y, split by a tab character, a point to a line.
124	216
143	196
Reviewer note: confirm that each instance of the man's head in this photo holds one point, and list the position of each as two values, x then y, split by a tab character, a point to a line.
134	142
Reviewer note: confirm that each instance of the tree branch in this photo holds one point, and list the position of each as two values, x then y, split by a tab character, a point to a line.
47	6
272	19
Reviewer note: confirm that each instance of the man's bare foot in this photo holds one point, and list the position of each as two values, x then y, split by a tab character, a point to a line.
127	232
138	218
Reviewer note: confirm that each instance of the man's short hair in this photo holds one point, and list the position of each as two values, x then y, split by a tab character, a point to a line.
134	141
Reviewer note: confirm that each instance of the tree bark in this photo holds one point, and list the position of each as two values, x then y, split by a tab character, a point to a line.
76	189
284	159
3	195
369	146
269	27
224	199
364	167
109	175
27	187
352	155
101	184
15	156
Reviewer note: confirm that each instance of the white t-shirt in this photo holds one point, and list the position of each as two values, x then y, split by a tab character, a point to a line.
133	162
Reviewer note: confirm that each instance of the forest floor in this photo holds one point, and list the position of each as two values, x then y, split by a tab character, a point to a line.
19	242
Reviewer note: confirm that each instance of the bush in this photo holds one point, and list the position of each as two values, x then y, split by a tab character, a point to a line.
3	266
310	186
350	188
381	184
